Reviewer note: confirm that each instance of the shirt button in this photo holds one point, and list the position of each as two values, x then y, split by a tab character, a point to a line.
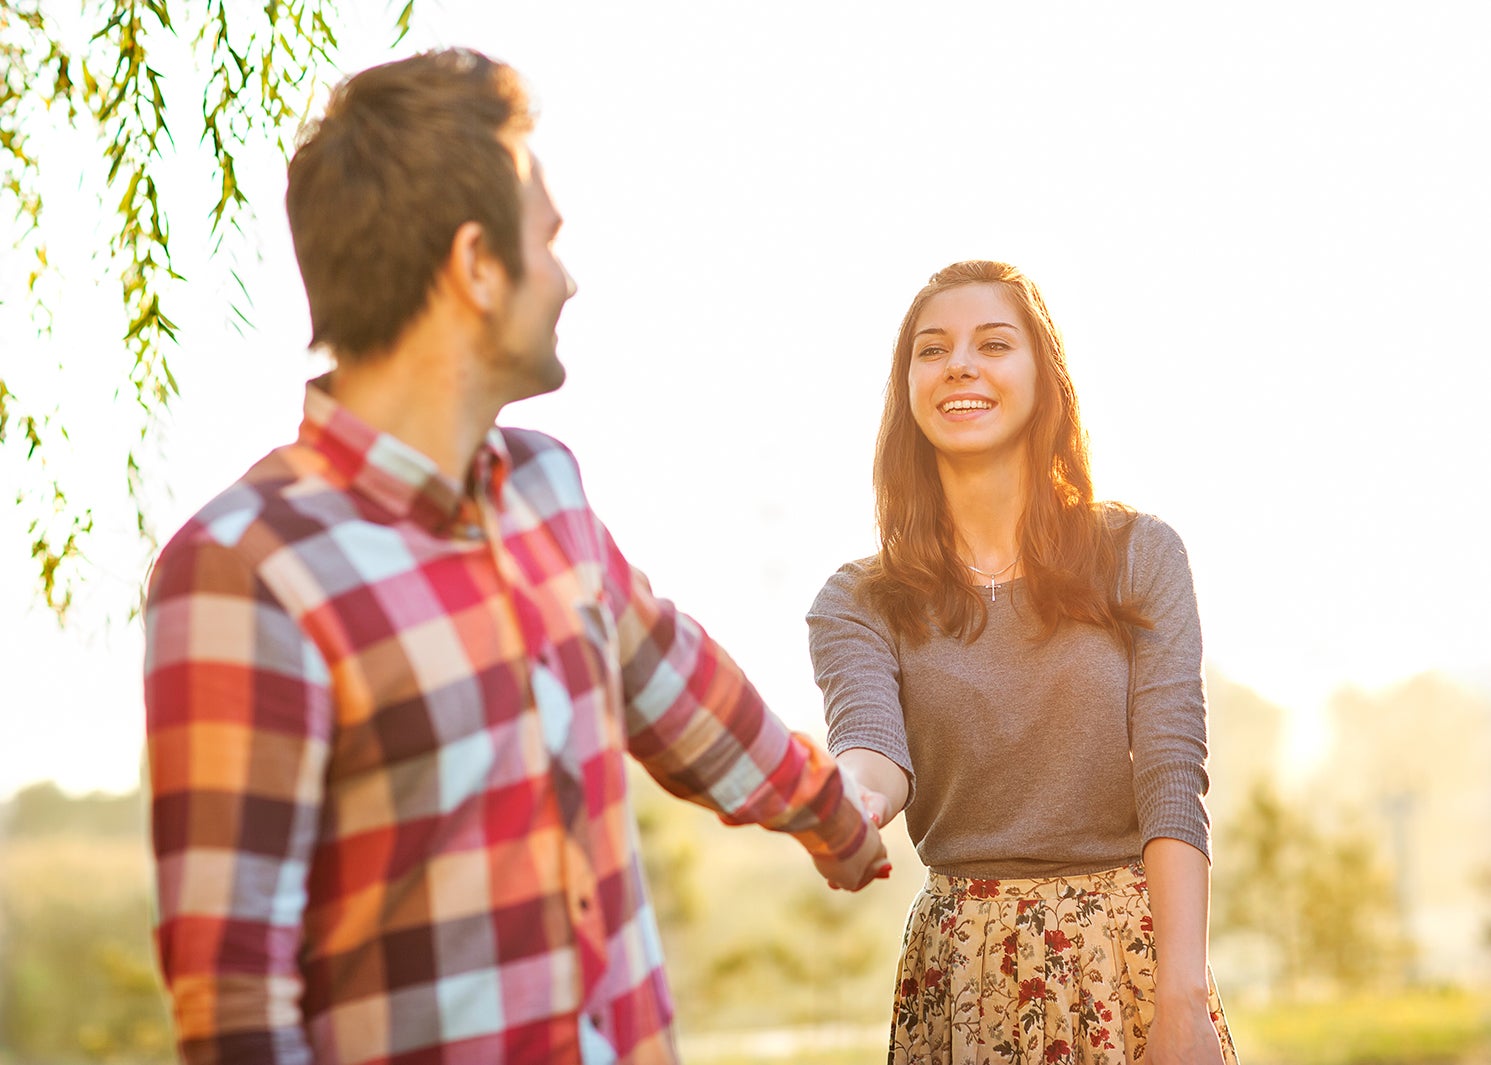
595	1020
584	904
471	532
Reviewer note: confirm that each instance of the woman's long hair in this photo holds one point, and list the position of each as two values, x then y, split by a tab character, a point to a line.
1071	549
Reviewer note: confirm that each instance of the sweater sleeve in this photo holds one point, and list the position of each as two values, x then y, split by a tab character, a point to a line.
855	665
1167	701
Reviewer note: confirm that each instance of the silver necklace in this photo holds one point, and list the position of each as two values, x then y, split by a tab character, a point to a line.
993	577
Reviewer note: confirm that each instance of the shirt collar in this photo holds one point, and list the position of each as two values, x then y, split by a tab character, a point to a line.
395	477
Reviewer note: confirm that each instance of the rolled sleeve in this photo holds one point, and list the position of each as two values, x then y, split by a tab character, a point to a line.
702	731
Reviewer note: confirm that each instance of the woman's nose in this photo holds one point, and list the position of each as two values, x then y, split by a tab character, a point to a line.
959	364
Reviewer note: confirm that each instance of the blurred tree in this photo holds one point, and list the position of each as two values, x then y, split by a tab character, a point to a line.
1320	901
257	66
43	810
1409	766
1245	745
670	853
810	963
77	971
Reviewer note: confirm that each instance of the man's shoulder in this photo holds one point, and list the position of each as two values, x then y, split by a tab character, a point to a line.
528	445
261	511
544	471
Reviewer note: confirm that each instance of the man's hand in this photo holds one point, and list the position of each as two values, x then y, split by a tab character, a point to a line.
867	863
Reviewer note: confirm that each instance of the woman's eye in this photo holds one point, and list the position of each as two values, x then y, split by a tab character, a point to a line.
996	346
925	352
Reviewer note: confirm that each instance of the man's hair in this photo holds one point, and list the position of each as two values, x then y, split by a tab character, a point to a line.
406	154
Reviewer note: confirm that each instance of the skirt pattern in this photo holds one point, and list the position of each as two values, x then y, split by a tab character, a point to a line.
1047	971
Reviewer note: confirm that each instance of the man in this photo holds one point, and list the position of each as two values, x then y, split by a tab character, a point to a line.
392	672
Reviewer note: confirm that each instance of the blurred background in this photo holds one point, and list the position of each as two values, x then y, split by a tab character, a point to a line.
1262	230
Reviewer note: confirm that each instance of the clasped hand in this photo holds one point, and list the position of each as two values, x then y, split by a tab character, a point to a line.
868	862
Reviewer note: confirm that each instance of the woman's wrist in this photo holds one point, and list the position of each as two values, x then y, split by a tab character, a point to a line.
1181	989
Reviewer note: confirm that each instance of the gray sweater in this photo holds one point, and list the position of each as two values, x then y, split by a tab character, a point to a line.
1030	758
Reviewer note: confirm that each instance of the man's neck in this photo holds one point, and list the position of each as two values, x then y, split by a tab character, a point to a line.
427	394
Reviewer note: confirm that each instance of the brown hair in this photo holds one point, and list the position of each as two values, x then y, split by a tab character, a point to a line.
1071	548
406	153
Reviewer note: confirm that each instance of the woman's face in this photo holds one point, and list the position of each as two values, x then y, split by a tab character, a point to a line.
972	376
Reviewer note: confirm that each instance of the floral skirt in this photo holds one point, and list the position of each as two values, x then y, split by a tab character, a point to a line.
1051	971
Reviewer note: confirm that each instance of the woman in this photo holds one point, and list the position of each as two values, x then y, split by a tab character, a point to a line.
1020	669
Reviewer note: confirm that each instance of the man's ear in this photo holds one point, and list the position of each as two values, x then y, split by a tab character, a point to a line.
476	277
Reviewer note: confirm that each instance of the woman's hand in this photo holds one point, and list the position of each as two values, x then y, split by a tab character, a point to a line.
1182	1033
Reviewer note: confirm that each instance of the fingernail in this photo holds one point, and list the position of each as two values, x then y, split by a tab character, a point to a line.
882	873
875	819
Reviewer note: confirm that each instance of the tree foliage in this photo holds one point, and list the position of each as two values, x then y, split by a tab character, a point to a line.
258	65
1321	902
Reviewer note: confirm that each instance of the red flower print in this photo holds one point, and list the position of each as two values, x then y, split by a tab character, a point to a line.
1146	924
1032	989
1056	939
933	978
1026	904
1057	1050
1099	1037
1011	941
949	923
908	987
1007	966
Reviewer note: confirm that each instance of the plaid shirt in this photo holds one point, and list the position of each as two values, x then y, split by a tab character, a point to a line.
387	720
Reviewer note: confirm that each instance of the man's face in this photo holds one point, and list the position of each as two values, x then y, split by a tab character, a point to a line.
523	332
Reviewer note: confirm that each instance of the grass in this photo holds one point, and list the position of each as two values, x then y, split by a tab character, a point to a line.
1412	1028
1415	1028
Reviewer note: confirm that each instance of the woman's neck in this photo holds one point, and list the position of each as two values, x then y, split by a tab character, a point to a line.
985	501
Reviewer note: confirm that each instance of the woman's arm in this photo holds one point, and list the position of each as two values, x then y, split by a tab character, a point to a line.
1182	1032
857	667
883	787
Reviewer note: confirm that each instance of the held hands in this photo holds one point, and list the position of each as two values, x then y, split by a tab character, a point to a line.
869	861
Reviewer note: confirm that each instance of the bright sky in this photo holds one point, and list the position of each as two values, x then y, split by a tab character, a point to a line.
1263	230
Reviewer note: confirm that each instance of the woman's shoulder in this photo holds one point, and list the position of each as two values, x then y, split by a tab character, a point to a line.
1153	555
846	586
1144	532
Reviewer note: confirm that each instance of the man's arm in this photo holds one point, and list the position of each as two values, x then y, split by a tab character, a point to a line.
238	721
700	728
